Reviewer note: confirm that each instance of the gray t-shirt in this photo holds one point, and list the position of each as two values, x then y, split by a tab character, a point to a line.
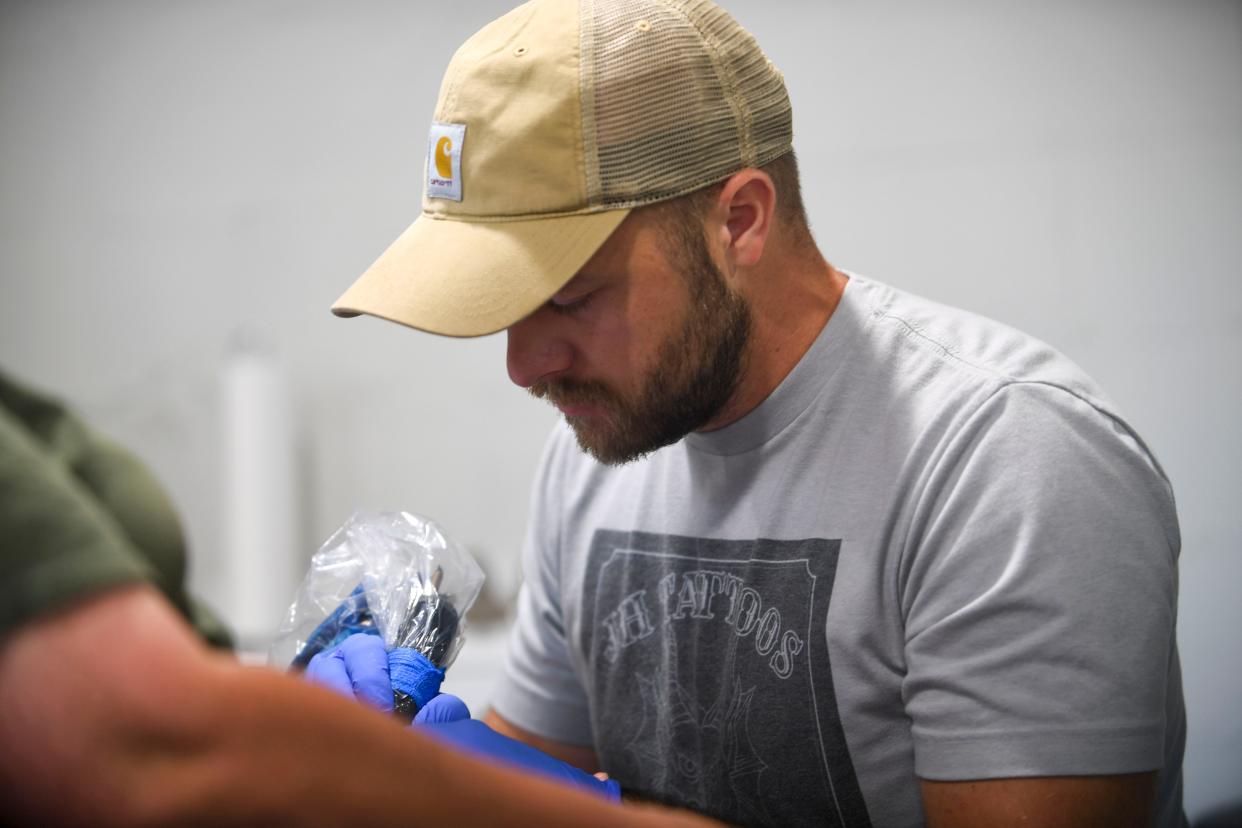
934	551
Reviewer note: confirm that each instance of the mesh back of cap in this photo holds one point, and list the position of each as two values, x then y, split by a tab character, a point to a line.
676	96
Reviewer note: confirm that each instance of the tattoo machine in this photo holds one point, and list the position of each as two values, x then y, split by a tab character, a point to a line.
392	574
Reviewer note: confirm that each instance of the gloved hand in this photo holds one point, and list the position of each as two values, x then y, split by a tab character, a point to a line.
444	720
357	668
361	668
442	709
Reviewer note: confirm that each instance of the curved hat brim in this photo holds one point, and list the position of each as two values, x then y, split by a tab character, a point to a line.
471	278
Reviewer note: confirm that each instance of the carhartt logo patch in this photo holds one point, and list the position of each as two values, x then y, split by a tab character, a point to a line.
444	161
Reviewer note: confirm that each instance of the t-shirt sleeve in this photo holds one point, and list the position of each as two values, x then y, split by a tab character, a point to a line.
1040	601
58	544
539	690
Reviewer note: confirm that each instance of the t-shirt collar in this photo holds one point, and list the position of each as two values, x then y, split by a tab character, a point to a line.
799	388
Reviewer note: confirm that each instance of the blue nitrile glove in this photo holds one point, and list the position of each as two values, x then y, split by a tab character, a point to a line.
441	718
357	668
443	708
360	668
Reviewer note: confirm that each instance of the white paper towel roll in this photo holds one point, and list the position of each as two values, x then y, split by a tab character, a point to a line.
259	503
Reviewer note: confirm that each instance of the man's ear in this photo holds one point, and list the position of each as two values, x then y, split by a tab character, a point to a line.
746	204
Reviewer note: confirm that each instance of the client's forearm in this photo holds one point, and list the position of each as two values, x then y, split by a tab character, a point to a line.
357	765
112	714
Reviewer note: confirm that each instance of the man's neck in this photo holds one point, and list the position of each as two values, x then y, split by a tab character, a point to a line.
793	299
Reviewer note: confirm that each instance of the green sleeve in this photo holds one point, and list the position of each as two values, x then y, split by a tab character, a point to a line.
78	514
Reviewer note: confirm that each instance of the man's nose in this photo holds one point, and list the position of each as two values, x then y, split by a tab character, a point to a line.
536	352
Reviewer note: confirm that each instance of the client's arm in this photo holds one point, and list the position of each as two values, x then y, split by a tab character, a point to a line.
113	713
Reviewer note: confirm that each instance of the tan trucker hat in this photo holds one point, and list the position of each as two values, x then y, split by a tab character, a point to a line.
553	122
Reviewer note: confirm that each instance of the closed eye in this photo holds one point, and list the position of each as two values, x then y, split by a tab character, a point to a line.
572	307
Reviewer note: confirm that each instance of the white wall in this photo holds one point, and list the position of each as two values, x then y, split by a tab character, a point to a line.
176	173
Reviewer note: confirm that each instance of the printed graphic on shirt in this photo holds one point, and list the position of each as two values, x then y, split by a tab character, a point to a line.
709	679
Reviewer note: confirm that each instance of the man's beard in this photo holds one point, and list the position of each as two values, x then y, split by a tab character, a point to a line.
695	373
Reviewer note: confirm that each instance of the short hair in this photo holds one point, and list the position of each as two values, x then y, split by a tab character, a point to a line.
684	215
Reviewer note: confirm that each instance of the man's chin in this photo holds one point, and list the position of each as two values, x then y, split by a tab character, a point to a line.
603	446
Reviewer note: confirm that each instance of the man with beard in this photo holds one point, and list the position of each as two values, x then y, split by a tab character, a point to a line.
808	550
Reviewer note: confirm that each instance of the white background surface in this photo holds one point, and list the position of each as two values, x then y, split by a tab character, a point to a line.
178	175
